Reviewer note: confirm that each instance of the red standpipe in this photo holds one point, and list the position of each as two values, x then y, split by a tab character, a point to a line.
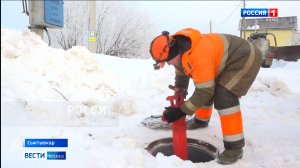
179	128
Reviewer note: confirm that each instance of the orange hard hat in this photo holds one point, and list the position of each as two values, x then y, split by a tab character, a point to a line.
160	47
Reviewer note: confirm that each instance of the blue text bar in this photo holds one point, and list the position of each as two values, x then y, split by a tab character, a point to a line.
54	155
254	12
46	142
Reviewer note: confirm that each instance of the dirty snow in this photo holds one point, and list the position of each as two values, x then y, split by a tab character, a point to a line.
98	101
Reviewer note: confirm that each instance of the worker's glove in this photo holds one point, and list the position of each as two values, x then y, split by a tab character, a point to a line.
172	114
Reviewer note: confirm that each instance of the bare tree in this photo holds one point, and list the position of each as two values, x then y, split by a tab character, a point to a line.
121	30
74	20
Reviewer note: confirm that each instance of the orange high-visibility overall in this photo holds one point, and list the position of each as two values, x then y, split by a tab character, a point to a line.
223	67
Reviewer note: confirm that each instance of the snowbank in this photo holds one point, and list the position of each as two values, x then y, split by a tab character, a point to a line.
39	79
98	101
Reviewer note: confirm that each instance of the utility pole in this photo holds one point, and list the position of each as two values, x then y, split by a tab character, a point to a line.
92	26
242	22
210	26
43	15
244	6
35	7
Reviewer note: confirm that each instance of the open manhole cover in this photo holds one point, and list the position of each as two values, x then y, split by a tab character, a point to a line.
198	151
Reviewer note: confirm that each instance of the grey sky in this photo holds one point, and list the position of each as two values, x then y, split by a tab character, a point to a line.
175	15
225	15
12	16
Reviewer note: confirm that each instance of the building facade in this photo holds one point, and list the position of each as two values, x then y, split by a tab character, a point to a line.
284	29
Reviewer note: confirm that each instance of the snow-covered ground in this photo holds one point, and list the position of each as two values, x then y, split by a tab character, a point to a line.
98	102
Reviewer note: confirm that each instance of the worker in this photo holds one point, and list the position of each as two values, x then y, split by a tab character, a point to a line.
222	67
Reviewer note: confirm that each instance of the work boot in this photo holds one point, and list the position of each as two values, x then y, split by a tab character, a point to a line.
194	123
230	156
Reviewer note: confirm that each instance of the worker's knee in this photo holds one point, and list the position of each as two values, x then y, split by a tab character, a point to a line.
224	98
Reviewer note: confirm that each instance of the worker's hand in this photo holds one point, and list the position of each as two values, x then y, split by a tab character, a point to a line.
172	114
179	91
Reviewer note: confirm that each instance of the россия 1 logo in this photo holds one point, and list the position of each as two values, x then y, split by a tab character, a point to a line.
259	12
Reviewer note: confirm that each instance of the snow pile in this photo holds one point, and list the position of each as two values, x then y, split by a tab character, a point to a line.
68	71
38	78
98	102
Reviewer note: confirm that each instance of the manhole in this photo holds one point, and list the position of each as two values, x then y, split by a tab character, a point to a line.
198	151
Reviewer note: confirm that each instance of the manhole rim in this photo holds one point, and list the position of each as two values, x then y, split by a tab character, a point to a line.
206	147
